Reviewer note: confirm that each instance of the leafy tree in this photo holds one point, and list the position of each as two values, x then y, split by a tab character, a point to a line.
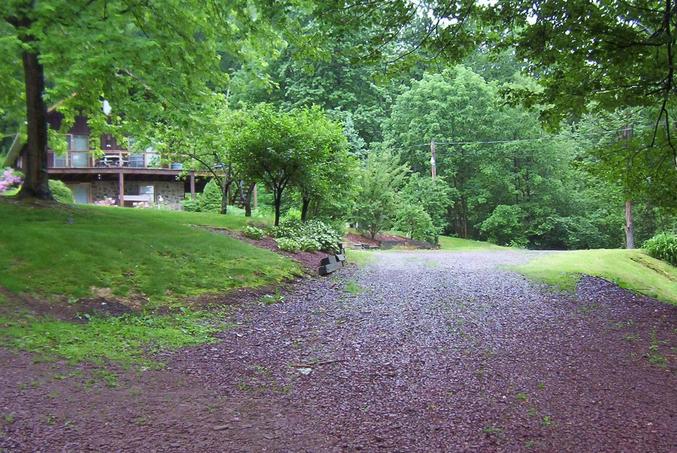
434	196
145	58
297	149
416	223
457	106
378	182
505	226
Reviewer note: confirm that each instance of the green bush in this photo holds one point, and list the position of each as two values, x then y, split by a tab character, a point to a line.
252	232
504	226
210	198
416	223
190	204
61	192
663	246
309	236
308	244
288	244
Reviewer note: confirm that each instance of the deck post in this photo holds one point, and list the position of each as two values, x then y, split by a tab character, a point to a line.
121	189
192	184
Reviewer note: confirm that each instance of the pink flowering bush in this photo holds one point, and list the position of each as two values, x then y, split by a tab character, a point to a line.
108	201
9	180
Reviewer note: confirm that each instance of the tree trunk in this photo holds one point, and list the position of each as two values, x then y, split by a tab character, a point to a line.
36	179
248	200
225	194
304	208
277	199
629	226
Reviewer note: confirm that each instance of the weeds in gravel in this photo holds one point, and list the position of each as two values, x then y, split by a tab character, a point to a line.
546	421
270	299
521	396
353	287
586	309
654	355
492	430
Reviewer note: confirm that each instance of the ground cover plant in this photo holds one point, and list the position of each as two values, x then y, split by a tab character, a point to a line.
630	269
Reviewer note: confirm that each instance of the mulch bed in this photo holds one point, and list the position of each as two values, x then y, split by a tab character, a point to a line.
310	261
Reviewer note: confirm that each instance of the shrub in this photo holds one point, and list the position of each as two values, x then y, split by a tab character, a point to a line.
504	226
308	244
252	232
190	204
288	244
416	223
210	198
9	179
662	246
310	236
61	192
326	236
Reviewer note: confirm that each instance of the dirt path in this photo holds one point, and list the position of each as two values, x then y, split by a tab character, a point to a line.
420	351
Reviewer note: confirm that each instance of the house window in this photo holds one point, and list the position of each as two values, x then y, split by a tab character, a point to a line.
79	143
137	160
79	160
59	161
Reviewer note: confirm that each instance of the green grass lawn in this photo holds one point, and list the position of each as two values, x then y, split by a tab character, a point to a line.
66	252
69	250
454	244
630	269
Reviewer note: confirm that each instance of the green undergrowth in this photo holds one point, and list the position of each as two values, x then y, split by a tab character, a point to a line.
630	269
126	340
152	254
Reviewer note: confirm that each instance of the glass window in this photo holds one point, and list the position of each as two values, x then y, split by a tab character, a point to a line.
79	160
136	160
59	161
79	143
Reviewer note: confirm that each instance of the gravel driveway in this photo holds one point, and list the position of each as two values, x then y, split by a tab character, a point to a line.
419	351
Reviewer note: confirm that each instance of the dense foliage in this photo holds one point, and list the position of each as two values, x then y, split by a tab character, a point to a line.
310	236
61	192
663	246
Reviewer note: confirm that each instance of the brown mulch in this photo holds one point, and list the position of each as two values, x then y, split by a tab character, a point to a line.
435	352
310	261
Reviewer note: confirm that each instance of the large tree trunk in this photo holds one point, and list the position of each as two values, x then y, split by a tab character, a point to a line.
629	226
36	179
248	200
304	208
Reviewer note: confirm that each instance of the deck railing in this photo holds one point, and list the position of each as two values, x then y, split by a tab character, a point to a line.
108	159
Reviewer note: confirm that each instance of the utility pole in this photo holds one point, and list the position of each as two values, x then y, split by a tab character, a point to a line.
433	159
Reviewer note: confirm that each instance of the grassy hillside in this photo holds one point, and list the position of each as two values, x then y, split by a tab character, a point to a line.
58	254
72	250
630	269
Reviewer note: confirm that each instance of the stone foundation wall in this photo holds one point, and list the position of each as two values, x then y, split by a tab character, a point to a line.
169	194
